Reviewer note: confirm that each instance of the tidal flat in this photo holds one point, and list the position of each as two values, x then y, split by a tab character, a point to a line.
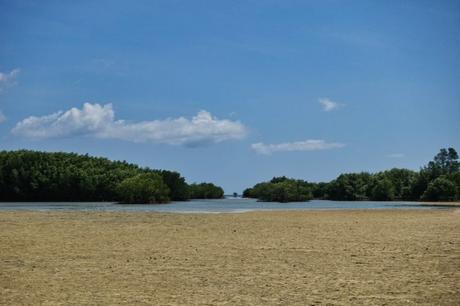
367	257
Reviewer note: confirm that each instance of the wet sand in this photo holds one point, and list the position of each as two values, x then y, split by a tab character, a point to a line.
385	257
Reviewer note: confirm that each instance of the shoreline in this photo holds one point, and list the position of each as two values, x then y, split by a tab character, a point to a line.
235	212
453	204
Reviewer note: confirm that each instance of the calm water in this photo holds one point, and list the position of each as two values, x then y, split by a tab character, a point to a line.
228	205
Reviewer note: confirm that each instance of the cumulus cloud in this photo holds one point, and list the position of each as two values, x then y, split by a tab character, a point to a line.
99	121
305	145
329	105
2	117
8	79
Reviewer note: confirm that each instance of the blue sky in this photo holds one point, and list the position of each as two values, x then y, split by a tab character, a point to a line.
233	92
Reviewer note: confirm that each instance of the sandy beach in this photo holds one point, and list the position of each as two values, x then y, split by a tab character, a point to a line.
384	257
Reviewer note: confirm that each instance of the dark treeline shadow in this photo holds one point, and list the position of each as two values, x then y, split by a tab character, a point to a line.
439	180
43	176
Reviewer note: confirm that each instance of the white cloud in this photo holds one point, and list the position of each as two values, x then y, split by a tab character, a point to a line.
396	155
8	79
305	145
329	105
99	121
2	117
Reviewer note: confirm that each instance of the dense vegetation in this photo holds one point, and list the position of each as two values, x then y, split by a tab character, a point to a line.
439	180
281	189
40	176
143	188
205	191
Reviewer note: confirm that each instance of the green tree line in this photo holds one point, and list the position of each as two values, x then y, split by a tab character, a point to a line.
439	180
205	191
42	176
